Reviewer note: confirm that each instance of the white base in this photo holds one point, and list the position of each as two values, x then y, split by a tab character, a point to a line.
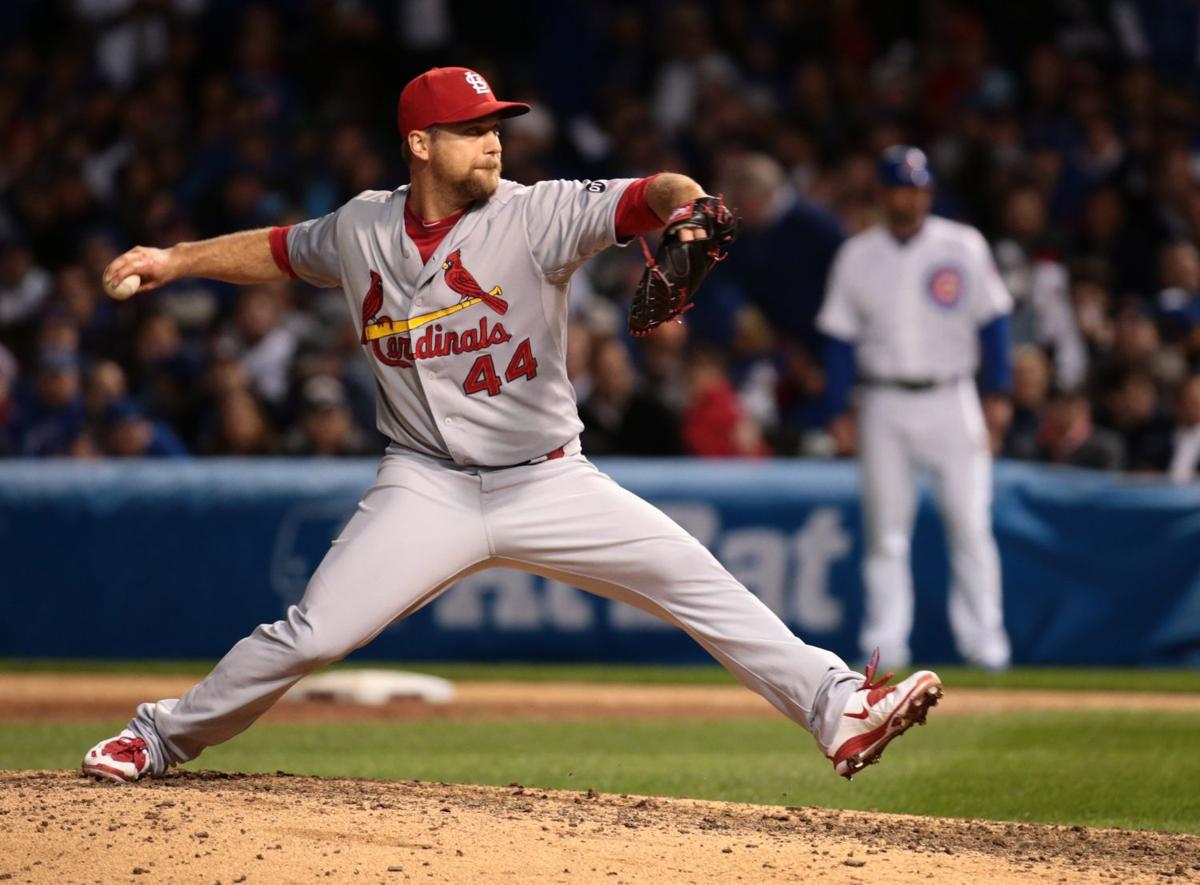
372	687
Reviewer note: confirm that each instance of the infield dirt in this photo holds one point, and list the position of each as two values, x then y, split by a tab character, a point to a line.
206	827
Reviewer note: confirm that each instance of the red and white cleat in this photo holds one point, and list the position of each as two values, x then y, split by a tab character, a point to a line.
877	713
122	759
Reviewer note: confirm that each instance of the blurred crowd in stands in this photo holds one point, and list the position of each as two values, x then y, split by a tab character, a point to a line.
1068	132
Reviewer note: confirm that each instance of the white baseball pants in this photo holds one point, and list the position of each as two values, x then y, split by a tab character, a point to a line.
424	525
941	429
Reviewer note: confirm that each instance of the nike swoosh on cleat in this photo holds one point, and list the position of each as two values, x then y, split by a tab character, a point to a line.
862	715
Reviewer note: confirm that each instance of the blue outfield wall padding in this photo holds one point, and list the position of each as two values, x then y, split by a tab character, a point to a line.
181	559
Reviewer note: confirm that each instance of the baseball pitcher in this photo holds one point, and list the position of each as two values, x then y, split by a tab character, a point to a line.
457	285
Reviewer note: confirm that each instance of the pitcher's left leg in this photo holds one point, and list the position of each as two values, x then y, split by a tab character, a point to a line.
574	524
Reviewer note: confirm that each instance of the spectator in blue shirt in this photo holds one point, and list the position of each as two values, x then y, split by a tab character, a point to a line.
128	433
783	255
51	412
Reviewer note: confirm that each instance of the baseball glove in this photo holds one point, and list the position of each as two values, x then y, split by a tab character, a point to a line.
671	278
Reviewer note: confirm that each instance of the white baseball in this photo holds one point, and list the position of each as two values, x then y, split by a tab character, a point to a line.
123	289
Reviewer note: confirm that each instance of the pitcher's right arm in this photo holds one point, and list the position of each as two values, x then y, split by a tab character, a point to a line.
243	258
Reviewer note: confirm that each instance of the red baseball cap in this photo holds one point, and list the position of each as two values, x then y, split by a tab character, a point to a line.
450	95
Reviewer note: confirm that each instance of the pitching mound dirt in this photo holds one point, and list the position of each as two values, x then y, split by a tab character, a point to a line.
56	827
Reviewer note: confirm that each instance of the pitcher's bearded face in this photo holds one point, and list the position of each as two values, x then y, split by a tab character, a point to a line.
466	157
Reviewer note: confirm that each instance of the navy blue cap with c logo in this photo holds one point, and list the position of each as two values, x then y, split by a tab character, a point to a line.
903	165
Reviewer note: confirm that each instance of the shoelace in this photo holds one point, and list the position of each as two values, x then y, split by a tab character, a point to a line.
128	750
879	685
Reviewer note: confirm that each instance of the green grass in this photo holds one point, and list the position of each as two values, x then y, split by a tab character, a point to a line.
1098	769
1137	770
1051	678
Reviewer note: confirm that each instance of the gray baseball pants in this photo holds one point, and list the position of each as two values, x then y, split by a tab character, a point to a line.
424	525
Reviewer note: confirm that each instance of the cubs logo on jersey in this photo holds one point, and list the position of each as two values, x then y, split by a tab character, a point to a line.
945	285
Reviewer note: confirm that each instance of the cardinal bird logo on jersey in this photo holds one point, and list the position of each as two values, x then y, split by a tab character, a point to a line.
372	305
461	281
393	347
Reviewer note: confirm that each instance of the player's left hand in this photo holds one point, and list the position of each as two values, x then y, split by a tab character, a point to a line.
997	416
689	232
695	235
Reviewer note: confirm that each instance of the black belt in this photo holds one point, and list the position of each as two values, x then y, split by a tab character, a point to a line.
912	384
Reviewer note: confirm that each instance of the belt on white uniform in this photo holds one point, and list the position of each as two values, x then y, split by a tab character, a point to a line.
911	384
560	452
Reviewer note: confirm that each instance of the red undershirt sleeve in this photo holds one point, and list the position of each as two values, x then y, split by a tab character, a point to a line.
634	215
278	240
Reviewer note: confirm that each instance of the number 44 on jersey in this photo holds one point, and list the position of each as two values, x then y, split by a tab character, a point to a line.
482	375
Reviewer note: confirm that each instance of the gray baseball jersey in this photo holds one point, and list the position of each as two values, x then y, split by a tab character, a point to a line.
467	347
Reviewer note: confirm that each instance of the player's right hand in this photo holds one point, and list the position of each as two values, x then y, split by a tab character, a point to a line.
154	266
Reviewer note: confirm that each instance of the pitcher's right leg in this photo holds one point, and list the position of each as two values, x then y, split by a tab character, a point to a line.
415	531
